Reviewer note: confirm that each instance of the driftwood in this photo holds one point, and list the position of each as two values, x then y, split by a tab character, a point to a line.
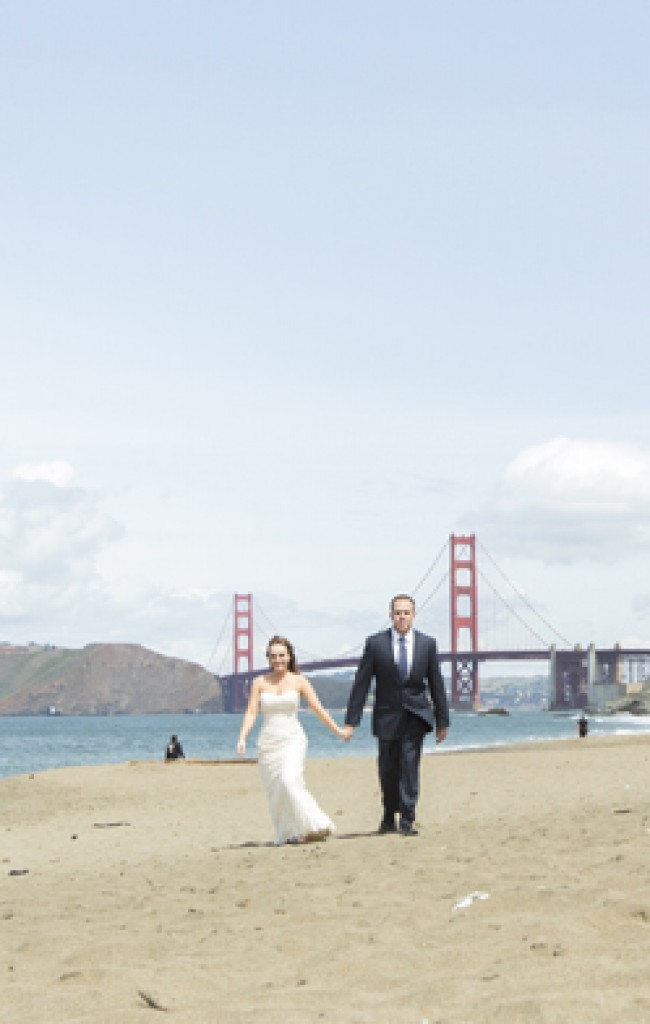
150	1001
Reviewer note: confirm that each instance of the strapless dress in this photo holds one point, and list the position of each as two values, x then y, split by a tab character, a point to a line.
281	750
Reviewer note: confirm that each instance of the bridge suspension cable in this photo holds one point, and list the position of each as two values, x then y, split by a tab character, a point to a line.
512	610
304	654
354	651
444	548
260	611
433	593
523	597
276	632
227	622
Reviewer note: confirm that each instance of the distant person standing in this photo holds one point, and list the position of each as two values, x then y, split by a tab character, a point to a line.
583	726
174	749
404	664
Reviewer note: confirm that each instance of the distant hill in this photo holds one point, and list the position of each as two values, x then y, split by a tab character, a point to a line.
333	691
102	679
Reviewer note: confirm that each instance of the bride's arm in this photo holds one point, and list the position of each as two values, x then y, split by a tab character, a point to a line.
306	690
250	715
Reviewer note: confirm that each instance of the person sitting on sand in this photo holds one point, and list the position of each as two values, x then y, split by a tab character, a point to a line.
174	749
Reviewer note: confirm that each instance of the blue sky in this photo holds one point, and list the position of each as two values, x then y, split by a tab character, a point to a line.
291	292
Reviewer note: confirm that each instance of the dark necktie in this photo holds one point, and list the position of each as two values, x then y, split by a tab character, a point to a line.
402	663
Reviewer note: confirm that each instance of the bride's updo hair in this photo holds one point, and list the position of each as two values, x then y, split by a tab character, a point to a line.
293	667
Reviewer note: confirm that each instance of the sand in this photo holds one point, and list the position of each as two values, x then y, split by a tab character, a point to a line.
142	891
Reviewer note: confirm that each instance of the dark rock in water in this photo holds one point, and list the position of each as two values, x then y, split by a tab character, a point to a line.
635	702
634	706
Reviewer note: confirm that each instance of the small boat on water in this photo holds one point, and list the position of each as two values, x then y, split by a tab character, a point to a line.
494	711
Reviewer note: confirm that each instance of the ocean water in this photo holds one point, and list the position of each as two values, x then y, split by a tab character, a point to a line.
36	744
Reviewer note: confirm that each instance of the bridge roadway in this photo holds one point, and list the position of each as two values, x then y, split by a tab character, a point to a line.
543	654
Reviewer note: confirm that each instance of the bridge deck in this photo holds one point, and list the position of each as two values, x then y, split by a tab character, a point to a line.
542	654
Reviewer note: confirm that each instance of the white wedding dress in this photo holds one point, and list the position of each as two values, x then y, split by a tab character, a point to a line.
281	749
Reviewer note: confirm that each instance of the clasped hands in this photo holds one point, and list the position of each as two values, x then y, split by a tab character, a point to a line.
344	732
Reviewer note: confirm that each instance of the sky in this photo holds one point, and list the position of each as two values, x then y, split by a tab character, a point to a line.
292	292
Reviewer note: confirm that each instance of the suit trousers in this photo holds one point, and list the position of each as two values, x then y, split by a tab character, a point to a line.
399	768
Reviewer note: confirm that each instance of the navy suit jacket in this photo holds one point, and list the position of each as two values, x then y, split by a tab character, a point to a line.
422	693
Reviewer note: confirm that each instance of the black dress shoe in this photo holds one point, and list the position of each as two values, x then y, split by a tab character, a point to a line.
387	824
406	829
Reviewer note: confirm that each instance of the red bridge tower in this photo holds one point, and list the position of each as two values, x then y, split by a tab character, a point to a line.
463	605
242	616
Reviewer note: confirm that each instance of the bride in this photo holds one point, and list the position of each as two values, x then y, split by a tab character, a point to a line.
282	745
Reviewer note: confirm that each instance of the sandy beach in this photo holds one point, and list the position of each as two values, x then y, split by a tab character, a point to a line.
143	889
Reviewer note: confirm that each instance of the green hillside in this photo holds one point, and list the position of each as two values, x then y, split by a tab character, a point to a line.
23	667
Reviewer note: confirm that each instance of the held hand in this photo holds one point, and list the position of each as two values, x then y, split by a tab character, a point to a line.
441	734
241	747
347	732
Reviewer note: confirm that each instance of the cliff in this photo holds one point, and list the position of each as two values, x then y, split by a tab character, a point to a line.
102	679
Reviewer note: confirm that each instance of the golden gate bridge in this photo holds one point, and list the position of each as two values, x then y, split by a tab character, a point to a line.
578	677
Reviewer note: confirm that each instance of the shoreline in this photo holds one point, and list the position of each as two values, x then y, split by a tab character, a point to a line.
524	898
442	750
36	745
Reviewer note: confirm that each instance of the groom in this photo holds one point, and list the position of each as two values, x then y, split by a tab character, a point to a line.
403	662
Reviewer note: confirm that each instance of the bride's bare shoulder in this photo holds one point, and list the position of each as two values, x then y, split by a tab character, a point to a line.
260	683
300	682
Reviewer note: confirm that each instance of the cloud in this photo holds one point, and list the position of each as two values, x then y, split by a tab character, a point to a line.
569	500
58	473
51	533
